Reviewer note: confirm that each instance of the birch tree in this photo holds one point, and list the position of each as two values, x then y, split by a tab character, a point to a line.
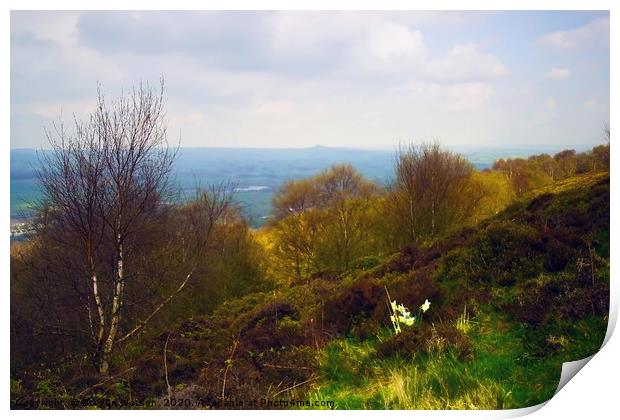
103	183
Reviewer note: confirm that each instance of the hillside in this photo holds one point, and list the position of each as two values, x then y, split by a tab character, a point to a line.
510	301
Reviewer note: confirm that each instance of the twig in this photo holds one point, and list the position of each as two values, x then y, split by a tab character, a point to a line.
389	298
297	385
157	309
389	301
105	381
286	367
228	365
278	386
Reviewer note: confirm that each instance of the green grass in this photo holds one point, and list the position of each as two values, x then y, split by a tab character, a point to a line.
499	375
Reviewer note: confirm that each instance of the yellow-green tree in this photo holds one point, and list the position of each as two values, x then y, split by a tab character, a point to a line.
495	194
323	223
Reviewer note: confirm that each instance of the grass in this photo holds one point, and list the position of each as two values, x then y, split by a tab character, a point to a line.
499	375
356	379
463	322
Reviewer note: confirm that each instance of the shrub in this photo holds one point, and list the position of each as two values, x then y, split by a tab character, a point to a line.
353	305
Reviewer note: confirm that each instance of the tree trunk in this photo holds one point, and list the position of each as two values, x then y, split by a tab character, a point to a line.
99	337
115	313
411	220
100	311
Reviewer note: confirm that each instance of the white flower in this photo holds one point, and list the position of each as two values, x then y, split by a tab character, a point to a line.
401	315
425	306
394	307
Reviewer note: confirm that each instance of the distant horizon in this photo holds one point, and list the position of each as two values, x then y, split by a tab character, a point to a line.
259	171
525	147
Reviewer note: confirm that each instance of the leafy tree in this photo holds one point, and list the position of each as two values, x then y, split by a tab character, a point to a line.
495	194
322	222
600	157
567	162
540	170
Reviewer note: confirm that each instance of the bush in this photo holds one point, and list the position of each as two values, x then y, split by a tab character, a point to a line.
353	306
503	254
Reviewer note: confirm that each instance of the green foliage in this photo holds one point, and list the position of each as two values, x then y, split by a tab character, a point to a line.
45	389
323	223
501	254
495	191
367	263
543	170
16	388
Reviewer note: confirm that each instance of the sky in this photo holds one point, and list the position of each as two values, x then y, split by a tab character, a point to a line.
341	79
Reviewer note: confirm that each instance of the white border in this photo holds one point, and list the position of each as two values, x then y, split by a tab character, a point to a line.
592	395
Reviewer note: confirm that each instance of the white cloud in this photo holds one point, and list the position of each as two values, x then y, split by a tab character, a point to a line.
304	78
590	103
593	33
312	32
193	119
49	41
309	32
456	96
275	109
58	28
391	48
65	109
381	43
466	61
558	73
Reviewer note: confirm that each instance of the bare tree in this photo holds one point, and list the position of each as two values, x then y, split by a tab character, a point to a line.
103	185
430	192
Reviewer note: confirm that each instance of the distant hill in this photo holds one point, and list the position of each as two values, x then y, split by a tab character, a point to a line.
258	172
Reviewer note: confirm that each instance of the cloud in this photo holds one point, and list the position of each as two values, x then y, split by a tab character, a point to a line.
59	29
49	60
558	73
67	109
291	43
454	96
550	104
466	62
277	109
595	32
590	103
391	48
302	78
